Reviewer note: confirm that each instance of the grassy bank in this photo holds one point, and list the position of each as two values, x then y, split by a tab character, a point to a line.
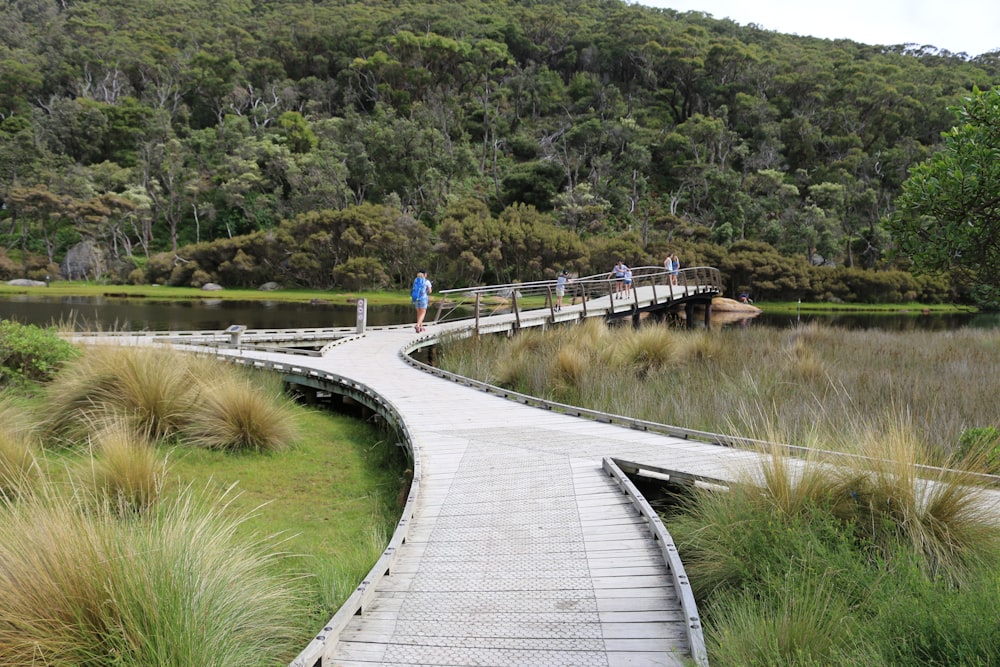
166	293
161	508
792	307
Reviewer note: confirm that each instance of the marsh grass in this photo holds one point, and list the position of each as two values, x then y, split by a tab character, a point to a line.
175	587
235	411
125	472
819	378
147	387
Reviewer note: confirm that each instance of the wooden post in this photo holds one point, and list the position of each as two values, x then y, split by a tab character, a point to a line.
478	304
517	313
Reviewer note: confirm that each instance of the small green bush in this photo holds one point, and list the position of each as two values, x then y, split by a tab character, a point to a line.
30	354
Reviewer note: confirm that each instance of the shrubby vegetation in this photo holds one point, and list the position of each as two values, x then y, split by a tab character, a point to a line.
329	144
30	355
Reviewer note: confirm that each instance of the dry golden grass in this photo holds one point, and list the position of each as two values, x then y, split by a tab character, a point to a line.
147	387
125	472
236	412
646	350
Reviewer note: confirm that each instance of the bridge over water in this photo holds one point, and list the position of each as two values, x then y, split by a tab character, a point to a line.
522	541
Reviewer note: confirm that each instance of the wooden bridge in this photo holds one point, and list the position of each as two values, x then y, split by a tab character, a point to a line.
522	541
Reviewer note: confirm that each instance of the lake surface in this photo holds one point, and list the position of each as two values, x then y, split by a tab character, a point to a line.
122	314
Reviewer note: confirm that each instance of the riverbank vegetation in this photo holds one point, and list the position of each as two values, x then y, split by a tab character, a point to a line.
872	561
330	144
168	509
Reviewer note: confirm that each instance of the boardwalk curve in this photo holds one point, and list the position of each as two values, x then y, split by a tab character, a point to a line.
521	542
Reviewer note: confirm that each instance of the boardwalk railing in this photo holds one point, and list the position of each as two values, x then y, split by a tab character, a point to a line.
664	287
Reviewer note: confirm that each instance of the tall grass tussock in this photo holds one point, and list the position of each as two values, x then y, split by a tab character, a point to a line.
82	586
161	394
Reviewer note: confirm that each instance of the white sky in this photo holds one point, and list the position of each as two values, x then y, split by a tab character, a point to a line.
972	26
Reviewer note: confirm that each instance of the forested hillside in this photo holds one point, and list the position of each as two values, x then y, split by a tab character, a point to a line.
341	144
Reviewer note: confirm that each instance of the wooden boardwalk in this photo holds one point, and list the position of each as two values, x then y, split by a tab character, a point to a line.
516	546
521	549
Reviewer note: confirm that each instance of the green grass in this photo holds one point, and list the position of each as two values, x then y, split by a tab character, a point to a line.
206	519
166	293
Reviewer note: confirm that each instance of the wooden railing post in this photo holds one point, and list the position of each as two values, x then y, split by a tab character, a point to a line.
479	298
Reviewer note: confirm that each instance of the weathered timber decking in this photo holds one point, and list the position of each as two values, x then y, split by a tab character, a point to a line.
516	548
521	549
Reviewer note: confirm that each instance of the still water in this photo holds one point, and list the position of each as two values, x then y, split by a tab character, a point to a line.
120	314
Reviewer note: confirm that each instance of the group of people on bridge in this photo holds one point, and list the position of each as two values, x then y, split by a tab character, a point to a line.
620	273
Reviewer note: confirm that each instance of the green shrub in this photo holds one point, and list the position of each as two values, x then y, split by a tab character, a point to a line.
981	444
361	273
30	354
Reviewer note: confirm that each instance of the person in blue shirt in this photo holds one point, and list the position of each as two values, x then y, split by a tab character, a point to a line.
420	295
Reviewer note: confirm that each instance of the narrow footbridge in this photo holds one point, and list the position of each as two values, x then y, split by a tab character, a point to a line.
522	541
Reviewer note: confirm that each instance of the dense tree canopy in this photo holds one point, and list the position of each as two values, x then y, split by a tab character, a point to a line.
949	212
161	126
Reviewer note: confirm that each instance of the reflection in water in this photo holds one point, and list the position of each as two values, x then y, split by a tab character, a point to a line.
122	314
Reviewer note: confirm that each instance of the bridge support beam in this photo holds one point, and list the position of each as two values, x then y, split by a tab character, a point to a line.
689	314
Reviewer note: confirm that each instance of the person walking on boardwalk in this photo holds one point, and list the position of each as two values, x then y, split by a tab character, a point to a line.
673	265
618	274
627	281
561	288
419	295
